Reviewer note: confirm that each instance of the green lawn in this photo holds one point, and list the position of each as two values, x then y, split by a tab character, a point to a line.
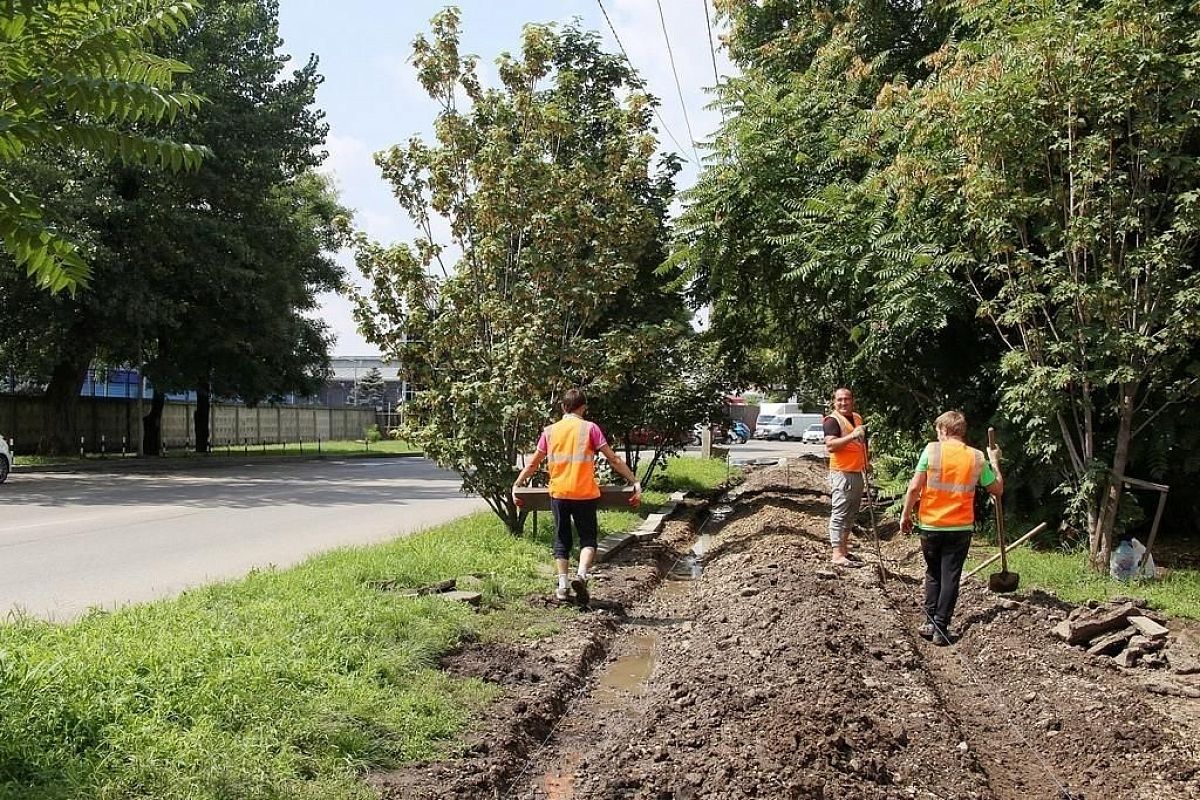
1068	576
294	449
286	684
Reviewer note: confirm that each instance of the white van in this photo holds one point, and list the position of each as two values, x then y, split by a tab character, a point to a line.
785	424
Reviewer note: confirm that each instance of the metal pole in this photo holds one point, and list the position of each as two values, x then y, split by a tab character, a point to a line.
141	418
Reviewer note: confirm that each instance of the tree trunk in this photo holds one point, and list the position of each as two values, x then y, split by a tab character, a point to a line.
1101	538
152	425
200	421
60	426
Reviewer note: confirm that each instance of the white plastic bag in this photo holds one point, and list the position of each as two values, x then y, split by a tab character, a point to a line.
1123	564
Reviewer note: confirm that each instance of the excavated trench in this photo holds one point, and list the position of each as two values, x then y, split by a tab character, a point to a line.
743	666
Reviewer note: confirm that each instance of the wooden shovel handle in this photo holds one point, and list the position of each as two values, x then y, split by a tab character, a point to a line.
999	513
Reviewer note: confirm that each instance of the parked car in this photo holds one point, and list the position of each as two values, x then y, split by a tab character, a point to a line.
813	434
5	459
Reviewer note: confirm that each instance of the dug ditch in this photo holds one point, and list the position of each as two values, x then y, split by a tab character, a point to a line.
759	671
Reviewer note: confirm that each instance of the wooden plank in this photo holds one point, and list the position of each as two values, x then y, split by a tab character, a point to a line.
1009	548
537	498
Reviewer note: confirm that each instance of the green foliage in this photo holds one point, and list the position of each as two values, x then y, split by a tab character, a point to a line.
79	76
209	277
544	184
1057	152
983	206
371	433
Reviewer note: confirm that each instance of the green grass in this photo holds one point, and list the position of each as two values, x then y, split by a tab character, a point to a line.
1067	575
690	474
349	448
286	684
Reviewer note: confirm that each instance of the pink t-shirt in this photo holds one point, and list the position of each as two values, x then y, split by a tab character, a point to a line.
596	438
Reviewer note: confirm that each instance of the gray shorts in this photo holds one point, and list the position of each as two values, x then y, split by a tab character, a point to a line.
847	491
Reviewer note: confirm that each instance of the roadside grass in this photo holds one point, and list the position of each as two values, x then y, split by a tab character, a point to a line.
349	448
1068	576
681	473
285	684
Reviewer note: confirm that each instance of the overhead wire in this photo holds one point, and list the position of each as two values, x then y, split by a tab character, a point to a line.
625	53
711	49
678	86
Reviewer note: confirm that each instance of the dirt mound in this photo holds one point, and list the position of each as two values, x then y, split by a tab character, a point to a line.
772	674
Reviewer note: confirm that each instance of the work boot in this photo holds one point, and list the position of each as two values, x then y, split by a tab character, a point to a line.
925	630
941	635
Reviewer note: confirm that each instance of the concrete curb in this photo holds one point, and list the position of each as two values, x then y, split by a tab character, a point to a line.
186	464
650	527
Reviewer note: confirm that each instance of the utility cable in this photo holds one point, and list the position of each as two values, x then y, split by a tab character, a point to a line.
625	53
678	86
711	49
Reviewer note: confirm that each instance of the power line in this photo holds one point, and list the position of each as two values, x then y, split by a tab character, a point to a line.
678	85
625	53
712	50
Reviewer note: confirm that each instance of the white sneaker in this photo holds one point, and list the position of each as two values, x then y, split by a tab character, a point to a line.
562	595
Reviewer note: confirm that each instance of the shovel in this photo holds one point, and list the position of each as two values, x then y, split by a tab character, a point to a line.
1002	581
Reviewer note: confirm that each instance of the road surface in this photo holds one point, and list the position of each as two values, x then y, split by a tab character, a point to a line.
72	541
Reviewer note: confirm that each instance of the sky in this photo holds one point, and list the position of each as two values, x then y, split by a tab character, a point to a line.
372	100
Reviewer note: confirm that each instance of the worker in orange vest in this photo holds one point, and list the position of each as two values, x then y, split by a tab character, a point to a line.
845	438
570	447
944	484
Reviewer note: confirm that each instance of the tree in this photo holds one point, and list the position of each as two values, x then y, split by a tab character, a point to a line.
370	389
76	75
782	236
542	183
208	278
1057	152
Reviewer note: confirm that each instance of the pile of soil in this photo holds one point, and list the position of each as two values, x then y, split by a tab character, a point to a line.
775	675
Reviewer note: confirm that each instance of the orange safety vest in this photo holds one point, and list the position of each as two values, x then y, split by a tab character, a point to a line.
948	498
571	460
852	457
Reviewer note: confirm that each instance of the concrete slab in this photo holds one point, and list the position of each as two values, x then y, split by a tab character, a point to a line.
459	596
610	545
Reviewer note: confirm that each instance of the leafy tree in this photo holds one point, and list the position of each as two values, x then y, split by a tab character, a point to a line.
209	278
370	389
1054	160
782	234
76	75
543	184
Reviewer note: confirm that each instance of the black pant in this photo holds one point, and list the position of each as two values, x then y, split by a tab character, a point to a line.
944	554
584	514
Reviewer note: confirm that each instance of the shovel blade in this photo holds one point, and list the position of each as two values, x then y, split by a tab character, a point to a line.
1003	582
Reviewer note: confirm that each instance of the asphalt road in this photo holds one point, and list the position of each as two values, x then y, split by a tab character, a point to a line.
757	448
72	541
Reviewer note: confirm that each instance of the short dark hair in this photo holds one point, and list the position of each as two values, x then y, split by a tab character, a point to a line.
953	423
573	399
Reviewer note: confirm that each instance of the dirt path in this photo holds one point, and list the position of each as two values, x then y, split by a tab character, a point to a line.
773	676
